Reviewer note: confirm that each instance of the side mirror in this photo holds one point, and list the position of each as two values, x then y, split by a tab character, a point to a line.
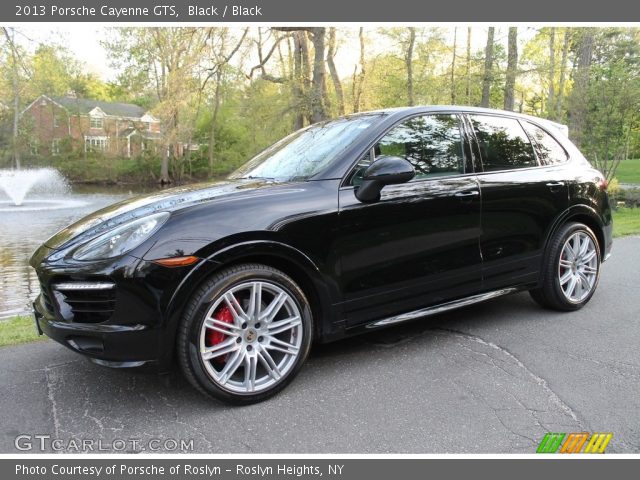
387	170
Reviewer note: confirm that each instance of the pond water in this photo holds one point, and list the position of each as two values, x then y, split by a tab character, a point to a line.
24	228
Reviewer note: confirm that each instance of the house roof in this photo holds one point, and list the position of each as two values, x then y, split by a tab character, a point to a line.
85	105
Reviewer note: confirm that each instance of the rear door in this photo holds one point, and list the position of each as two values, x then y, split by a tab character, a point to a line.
419	244
521	198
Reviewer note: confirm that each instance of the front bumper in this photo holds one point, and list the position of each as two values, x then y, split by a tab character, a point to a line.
112	345
128	326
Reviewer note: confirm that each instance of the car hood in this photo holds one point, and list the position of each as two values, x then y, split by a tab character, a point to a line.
164	201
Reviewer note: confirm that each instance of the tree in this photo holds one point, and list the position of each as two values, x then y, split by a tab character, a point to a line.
468	68
220	53
16	65
164	59
358	78
453	66
579	95
310	93
552	71
335	78
563	73
611	115
512	69
409	64
487	78
318	107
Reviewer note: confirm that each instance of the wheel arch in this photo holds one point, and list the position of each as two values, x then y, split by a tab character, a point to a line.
582	214
285	258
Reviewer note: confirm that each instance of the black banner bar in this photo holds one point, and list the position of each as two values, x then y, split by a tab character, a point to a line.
318	11
342	469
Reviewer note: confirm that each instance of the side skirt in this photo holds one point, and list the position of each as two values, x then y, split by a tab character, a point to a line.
443	307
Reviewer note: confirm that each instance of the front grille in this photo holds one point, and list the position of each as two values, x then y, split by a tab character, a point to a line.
85	302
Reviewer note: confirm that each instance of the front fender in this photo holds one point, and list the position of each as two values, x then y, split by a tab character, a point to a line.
254	250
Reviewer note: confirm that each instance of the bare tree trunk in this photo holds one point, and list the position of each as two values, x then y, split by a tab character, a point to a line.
453	66
487	79
512	69
298	80
164	166
578	100
552	72
318	110
468	69
15	86
214	120
563	73
358	79
335	78
408	59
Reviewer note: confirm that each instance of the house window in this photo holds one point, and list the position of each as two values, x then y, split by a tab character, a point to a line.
96	122
55	146
95	144
147	126
56	121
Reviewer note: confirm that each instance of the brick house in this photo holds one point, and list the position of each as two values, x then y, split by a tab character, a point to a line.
115	129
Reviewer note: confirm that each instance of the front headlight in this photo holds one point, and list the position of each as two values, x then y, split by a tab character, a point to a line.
122	239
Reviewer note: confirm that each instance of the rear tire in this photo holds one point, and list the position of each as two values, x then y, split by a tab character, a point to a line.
245	334
571	270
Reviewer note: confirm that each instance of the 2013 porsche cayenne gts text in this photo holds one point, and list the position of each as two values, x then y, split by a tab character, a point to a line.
340	228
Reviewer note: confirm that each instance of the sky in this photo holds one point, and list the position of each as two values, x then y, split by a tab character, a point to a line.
83	40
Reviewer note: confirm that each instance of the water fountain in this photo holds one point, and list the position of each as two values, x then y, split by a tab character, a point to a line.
47	184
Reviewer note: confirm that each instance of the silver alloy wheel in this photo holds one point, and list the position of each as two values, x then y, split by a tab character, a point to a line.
259	335
578	267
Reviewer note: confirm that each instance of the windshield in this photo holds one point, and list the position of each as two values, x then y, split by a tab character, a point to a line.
305	152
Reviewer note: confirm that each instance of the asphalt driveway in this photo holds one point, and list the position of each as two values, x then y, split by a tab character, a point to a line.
487	379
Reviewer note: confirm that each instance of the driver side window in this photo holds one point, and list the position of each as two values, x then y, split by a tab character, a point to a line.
431	143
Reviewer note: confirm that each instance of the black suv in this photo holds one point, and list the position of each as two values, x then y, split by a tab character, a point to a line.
342	227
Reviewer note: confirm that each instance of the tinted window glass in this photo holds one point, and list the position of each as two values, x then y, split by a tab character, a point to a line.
432	143
503	143
550	152
308	151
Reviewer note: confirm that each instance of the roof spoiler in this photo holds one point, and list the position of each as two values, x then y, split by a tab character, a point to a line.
564	129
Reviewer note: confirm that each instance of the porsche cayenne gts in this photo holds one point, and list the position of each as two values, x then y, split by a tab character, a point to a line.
340	228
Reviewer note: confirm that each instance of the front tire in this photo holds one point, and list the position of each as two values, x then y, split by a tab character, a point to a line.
571	270
244	334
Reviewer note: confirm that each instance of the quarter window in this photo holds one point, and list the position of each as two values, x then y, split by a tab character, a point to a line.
503	143
432	143
549	151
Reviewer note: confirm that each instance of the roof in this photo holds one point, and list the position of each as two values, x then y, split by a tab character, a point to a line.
462	108
85	105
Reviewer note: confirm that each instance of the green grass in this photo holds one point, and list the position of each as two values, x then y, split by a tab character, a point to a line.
629	171
18	330
626	221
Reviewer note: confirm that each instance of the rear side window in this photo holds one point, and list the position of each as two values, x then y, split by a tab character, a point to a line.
549	151
503	143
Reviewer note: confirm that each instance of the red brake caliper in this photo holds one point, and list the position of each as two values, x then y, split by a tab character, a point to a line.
214	337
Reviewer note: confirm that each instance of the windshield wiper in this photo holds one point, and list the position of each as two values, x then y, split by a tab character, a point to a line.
253	177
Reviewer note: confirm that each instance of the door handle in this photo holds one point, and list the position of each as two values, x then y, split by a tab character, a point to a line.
555	184
469	193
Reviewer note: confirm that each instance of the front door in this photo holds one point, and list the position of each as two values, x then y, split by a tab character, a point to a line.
419	244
